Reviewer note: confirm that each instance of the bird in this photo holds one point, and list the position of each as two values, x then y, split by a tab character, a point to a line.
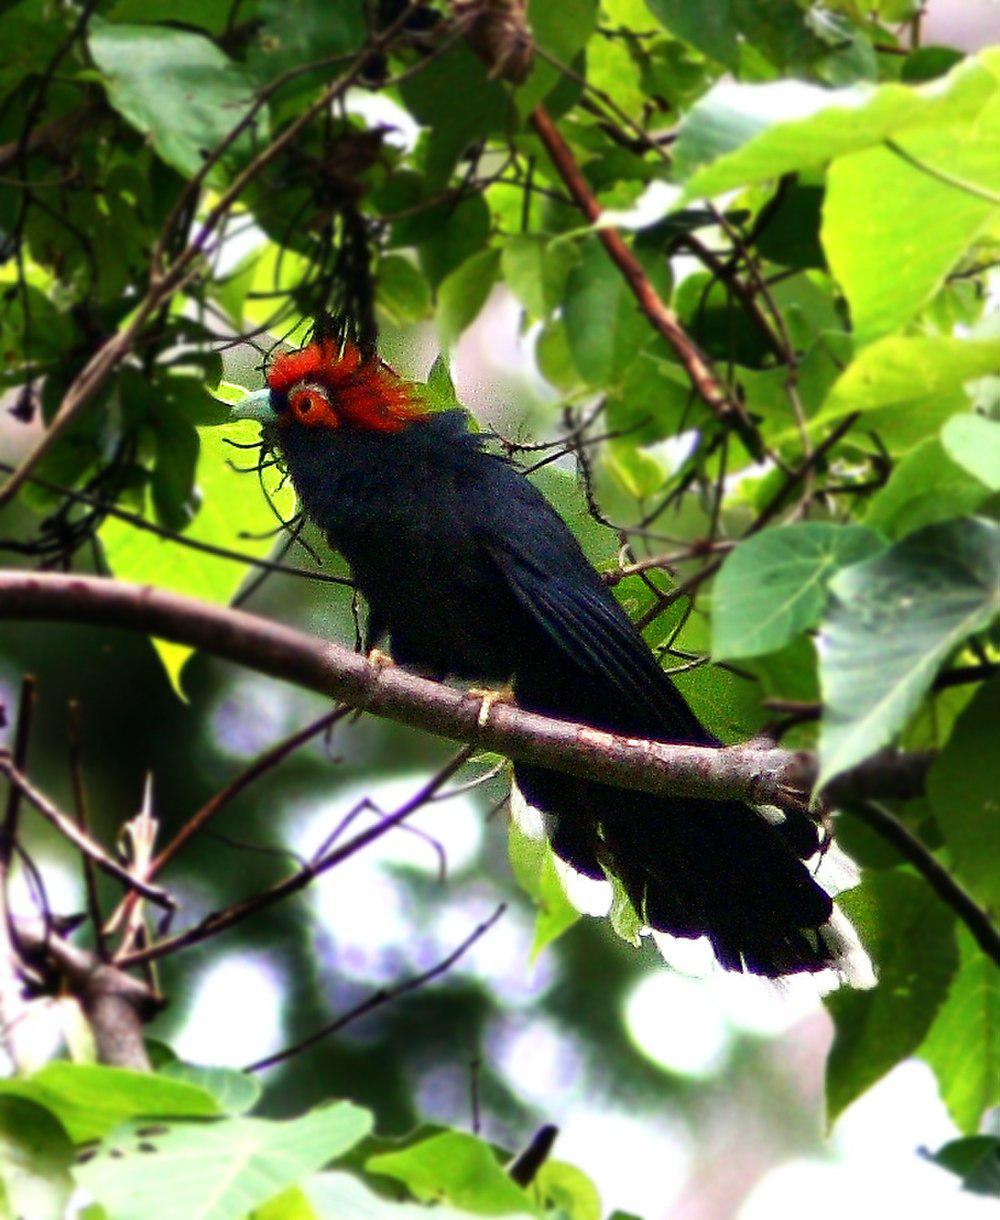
472	575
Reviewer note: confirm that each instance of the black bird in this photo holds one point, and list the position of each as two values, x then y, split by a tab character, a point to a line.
472	574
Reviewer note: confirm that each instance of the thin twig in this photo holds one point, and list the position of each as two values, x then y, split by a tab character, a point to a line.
82	842
722	404
83	821
890	828
384	995
195	824
221	921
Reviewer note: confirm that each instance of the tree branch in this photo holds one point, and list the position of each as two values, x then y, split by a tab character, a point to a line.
114	1004
663	320
748	772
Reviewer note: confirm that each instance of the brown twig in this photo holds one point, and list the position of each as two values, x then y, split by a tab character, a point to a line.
82	842
722	404
890	828
384	995
11	998
83	821
221	921
260	766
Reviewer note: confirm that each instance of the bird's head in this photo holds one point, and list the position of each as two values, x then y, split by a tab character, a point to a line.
330	385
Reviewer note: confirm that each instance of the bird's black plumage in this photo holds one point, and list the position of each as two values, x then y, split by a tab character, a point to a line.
472	574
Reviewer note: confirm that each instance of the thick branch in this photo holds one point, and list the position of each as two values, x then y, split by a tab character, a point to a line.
115	1005
750	773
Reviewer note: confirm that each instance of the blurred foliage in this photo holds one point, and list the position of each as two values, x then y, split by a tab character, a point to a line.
839	285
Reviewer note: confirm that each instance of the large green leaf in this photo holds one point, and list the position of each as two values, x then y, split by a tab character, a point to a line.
742	134
173	1170
896	618
908	369
233	515
89	1099
865	229
974	442
774	585
909	934
926	486
176	87
458	1169
962	787
35	1159
963	1045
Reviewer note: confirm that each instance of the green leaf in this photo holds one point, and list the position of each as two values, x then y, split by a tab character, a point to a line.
535	269
925	487
974	443
175	1170
312	32
439	390
976	1160
963	793
35	1159
338	1196
773	586
963	1045
568	1191
458	1169
463	292
89	1099
909	934
741	134
402	291
533	865
172	485
865	229
236	1092
175	87
897	617
231	506
626	921
722	29
908	369
604	328
560	28
455	97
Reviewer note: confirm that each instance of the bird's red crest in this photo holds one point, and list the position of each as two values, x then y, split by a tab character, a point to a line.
329	384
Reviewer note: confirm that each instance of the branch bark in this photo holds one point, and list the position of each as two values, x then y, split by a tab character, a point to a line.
115	1005
749	772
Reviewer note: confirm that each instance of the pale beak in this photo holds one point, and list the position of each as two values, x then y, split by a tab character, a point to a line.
255	406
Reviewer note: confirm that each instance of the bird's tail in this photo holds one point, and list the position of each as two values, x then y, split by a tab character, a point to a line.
741	877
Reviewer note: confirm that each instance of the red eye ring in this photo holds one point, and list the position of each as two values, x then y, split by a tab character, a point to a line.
311	407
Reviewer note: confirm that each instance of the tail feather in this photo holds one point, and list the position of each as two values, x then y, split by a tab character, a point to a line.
706	868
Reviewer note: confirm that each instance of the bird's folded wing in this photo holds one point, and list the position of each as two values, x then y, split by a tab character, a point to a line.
593	633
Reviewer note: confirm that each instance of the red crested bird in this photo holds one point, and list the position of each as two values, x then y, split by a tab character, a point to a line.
472	574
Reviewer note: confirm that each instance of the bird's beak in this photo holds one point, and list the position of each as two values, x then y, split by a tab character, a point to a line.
255	406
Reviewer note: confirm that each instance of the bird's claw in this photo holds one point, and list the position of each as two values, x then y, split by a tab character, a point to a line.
488	698
380	659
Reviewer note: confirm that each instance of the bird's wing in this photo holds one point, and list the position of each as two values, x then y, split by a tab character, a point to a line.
553	581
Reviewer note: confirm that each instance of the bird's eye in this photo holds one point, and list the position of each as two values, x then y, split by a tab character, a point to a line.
311	407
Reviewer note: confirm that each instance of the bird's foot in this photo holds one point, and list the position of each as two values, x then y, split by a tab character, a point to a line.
488	698
380	659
